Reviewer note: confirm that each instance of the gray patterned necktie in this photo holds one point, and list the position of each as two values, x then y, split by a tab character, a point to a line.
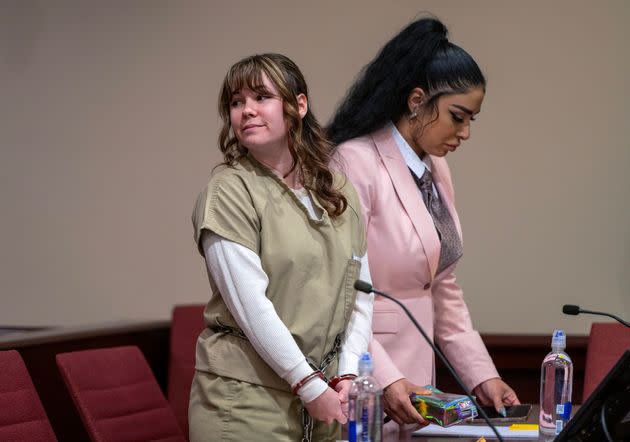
450	242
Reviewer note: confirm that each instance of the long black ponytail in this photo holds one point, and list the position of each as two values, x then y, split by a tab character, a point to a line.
419	56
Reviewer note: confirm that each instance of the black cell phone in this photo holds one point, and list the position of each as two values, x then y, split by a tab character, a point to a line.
514	413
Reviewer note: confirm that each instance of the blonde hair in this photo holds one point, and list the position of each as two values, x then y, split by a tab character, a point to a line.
309	147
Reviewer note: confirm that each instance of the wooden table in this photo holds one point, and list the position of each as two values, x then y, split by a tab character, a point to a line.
532	419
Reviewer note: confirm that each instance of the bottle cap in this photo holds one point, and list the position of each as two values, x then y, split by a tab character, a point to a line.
365	364
559	339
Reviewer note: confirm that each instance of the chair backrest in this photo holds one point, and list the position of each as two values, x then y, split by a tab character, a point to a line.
186	325
606	344
22	416
117	395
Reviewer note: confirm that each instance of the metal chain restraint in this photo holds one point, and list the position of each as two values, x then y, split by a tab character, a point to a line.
307	420
226	329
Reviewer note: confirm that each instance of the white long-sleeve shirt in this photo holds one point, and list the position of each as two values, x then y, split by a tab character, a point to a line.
242	282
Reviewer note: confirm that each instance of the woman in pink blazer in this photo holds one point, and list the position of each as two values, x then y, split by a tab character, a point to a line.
412	105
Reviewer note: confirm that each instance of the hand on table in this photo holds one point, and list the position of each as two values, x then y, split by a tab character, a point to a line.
496	392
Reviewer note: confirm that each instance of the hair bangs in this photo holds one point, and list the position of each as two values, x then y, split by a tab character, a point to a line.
246	74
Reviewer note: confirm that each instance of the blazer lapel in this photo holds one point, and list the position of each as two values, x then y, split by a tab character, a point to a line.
409	195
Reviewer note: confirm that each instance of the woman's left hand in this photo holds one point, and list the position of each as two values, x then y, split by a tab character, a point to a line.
496	392
343	389
326	407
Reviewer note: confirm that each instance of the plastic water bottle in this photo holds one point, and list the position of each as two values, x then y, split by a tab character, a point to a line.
556	381
365	407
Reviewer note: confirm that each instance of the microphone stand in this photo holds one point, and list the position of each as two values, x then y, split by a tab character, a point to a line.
610	315
569	309
365	287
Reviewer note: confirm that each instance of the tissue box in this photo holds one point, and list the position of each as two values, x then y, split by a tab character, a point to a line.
444	409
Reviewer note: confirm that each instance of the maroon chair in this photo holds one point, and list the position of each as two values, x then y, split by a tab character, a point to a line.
606	344
117	395
186	325
22	416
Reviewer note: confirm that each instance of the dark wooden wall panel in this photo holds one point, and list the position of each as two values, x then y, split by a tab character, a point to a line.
518	359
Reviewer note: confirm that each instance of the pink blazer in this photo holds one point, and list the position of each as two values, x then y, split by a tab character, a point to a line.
404	251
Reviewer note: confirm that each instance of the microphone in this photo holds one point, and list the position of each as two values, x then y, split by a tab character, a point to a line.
570	309
366	287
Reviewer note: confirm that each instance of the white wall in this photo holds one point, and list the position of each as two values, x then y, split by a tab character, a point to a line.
108	130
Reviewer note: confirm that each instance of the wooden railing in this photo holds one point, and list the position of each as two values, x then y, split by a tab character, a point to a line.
38	349
517	357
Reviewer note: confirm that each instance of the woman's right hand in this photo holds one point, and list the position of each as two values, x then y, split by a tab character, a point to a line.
397	404
326	407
